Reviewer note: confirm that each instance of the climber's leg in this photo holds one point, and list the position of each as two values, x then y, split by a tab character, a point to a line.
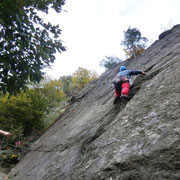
125	89
117	93
117	96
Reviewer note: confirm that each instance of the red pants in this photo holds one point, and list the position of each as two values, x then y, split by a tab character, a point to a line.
124	89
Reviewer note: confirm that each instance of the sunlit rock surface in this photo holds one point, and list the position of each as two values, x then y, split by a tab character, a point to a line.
134	140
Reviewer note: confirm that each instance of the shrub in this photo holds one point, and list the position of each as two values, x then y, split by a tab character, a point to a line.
20	114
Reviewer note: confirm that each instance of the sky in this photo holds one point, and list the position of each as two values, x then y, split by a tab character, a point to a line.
93	29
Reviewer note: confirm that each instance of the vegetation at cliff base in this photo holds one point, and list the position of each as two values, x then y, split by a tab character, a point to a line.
28	113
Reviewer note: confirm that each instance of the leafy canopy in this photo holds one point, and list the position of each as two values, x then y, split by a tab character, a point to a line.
81	78
23	113
53	92
109	62
67	84
133	41
27	43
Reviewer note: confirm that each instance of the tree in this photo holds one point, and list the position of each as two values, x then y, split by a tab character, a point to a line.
81	78
67	84
22	113
134	42
109	62
53	92
27	44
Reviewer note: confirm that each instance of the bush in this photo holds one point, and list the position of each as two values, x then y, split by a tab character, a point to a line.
21	114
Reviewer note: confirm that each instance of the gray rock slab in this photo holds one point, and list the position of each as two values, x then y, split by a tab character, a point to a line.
134	140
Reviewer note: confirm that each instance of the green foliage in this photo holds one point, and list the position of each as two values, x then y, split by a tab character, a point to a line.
134	42
24	113
8	157
109	62
27	44
38	102
21	114
81	78
67	85
131	53
36	109
53	92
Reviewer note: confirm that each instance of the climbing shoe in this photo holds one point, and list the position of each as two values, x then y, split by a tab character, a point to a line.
125	97
116	100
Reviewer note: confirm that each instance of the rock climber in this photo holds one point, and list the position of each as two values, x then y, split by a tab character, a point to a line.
123	82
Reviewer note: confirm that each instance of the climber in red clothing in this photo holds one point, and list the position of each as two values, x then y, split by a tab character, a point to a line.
123	81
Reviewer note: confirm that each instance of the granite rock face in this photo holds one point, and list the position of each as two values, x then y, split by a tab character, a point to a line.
135	140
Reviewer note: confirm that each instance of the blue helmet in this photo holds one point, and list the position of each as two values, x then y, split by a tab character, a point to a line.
122	68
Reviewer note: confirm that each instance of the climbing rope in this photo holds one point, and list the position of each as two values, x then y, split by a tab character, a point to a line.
15	147
31	149
2	142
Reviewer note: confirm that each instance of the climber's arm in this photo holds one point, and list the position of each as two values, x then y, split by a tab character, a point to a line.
5	133
135	72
